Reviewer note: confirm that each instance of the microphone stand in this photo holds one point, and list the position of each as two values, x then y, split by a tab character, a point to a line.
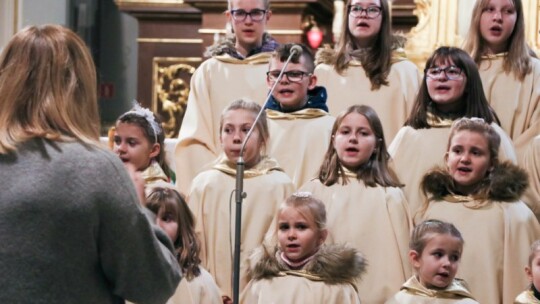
239	189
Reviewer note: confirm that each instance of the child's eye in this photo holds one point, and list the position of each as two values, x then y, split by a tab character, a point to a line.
454	258
489	9
509	11
437	254
301	226
227	130
283	227
117	140
132	142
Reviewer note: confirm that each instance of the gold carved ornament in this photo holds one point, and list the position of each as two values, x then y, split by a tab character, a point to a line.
172	90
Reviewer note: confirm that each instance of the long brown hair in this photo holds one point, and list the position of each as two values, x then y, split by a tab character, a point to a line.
378	59
375	171
187	244
518	60
47	88
474	99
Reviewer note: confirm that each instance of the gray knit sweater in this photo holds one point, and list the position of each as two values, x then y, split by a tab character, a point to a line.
72	231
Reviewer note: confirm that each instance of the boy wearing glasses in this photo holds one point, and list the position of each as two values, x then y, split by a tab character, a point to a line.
235	70
298	119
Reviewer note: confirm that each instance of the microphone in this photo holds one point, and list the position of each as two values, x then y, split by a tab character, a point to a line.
296	50
239	192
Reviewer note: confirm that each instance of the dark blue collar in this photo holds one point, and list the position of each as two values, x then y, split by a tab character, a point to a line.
316	100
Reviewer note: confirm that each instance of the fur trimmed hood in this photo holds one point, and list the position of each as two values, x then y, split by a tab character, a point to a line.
506	183
332	264
328	55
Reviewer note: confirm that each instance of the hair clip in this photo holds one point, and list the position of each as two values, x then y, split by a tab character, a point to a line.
302	194
148	115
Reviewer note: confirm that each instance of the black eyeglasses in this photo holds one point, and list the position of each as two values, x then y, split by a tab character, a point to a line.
241	15
371	11
452	72
292	76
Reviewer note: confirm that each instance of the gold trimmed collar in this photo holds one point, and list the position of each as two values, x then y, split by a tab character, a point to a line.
264	166
456	290
302	114
261	58
154	173
526	297
494	56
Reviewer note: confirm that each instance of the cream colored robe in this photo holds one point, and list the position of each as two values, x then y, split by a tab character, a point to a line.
526	297
392	103
415	151
327	278
200	290
497	241
299	141
413	292
531	163
517	103
214	207
154	176
376	222
216	83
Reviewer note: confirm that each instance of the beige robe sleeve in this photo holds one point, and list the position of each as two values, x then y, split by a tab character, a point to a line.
376	222
293	290
211	202
531	163
416	151
392	103
200	290
299	145
497	241
214	85
516	102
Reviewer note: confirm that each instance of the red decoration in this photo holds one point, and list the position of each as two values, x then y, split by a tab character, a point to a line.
314	37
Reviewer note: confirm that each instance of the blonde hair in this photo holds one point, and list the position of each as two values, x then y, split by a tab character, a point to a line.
47	88
478	125
308	206
535	248
253	108
518	60
427	229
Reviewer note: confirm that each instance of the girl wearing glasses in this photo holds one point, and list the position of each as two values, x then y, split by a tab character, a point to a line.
480	195
364	202
509	70
451	89
369	66
236	69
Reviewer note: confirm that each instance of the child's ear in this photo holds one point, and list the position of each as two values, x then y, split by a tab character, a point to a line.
528	271
312	82
324	235
414	258
156	149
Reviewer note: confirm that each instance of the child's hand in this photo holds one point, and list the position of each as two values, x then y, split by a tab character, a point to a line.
138	182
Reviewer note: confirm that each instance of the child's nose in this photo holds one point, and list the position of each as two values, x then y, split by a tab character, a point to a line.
237	137
292	234
497	15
